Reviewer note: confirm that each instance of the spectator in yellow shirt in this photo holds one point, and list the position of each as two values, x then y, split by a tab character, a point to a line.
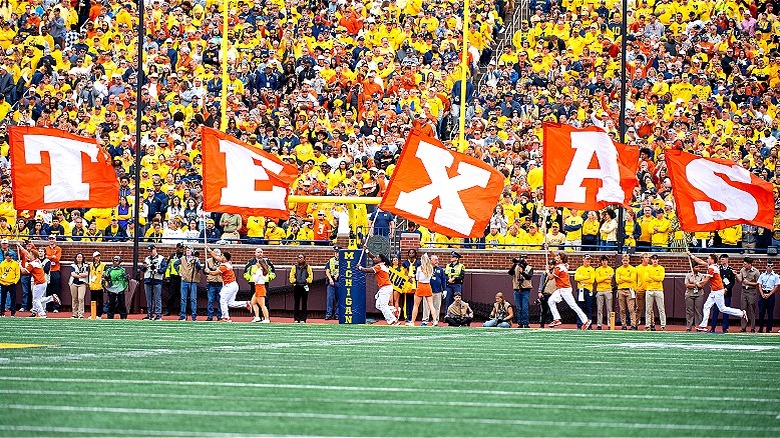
590	232
572	226
494	239
626	278
659	229
585	276
655	293
604	276
273	234
730	238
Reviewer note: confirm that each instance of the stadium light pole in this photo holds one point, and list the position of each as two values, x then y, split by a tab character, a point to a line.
138	102
621	235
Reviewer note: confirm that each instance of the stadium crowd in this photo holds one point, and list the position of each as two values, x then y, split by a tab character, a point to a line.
335	86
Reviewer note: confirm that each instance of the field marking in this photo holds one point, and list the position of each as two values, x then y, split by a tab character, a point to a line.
123	432
477	404
10	345
233	348
706	347
382	418
384	378
364	388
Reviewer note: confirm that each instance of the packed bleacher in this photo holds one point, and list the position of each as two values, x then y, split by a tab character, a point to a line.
334	87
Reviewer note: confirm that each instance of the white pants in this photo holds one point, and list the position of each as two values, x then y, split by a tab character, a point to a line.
39	301
716	299
436	308
382	303
565	295
227	298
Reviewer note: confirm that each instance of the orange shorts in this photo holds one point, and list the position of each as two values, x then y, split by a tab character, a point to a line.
260	290
424	290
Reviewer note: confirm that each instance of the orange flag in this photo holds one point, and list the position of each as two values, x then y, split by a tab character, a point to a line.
585	169
55	169
240	179
713	194
445	191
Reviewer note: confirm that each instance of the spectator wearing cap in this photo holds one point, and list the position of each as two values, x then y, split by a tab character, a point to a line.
322	228
95	283
455	272
332	276
153	267
659	230
588	285
768	283
748	276
115	232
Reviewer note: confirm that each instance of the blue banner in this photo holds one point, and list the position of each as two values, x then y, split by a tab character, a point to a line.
352	289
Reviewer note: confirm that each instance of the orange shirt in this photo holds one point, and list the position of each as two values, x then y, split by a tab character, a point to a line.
382	275
36	270
561	274
54	254
226	271
716	282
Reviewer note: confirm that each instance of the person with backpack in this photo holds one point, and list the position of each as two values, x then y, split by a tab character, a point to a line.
115	281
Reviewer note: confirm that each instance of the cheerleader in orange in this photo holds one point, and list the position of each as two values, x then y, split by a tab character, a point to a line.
563	292
423	275
260	277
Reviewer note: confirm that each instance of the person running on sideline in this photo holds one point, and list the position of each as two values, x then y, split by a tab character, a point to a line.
563	292
381	272
35	268
717	292
227	296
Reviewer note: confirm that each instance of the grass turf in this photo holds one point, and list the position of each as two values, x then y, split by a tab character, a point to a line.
198	379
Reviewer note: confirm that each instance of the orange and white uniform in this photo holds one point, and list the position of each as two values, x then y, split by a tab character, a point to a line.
227	296
563	293
382	275
716	298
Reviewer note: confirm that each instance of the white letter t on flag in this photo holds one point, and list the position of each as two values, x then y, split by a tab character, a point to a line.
452	213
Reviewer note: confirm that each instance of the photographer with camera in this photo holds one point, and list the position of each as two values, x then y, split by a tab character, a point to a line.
521	273
153	267
501	315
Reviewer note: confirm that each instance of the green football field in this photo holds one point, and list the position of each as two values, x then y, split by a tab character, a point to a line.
122	378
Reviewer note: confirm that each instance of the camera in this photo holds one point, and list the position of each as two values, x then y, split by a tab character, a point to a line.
518	260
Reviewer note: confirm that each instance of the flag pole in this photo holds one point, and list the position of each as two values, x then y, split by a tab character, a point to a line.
138	102
224	56
464	68
622	121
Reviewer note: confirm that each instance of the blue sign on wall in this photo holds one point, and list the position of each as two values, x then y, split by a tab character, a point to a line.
352	289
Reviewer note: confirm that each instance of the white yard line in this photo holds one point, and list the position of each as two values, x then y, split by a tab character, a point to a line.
364	388
432	379
383	418
122	432
597	407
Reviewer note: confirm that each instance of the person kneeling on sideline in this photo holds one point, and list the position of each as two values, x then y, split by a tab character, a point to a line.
459	314
502	313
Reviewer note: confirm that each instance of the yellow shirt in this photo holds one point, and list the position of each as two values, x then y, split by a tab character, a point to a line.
604	278
641	277
574	220
585	276
661	236
626	277
655	277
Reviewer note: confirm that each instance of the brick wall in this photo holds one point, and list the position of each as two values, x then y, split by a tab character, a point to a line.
286	255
